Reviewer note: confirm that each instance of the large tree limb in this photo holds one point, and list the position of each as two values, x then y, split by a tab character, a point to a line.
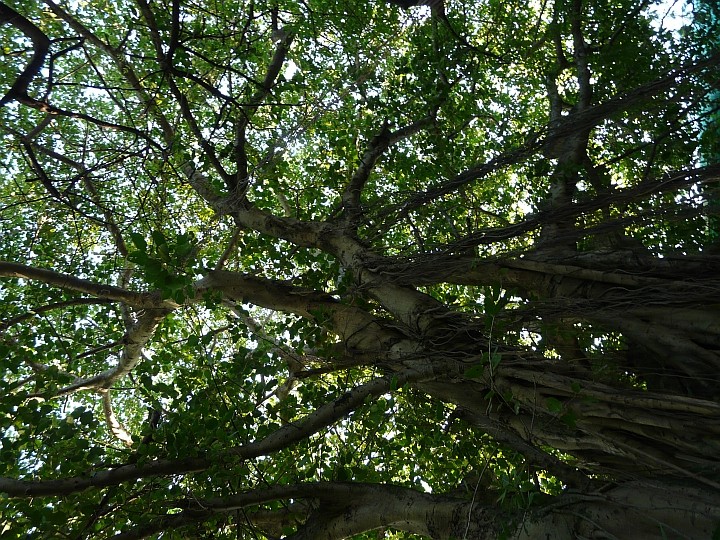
134	341
341	510
99	290
356	327
284	437
239	184
41	44
571	210
310	234
377	146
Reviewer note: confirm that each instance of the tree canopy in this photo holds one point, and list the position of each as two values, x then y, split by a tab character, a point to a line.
331	269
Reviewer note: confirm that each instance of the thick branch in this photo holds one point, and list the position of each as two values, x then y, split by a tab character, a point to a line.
568	127
395	214
309	234
135	340
284	437
65	281
375	149
572	210
113	423
239	184
41	44
593	116
341	510
356	327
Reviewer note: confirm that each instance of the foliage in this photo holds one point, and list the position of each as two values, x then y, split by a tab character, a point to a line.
265	263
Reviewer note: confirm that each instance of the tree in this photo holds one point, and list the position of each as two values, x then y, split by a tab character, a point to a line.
325	269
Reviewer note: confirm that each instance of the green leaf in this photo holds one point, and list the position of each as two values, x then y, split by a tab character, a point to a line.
159	239
570	418
554	405
138	241
475	371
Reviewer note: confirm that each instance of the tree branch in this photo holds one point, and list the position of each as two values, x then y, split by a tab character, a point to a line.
135	340
65	281
377	146
566	128
356	327
239	184
34	312
114	425
378	504
41	44
124	68
283	437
